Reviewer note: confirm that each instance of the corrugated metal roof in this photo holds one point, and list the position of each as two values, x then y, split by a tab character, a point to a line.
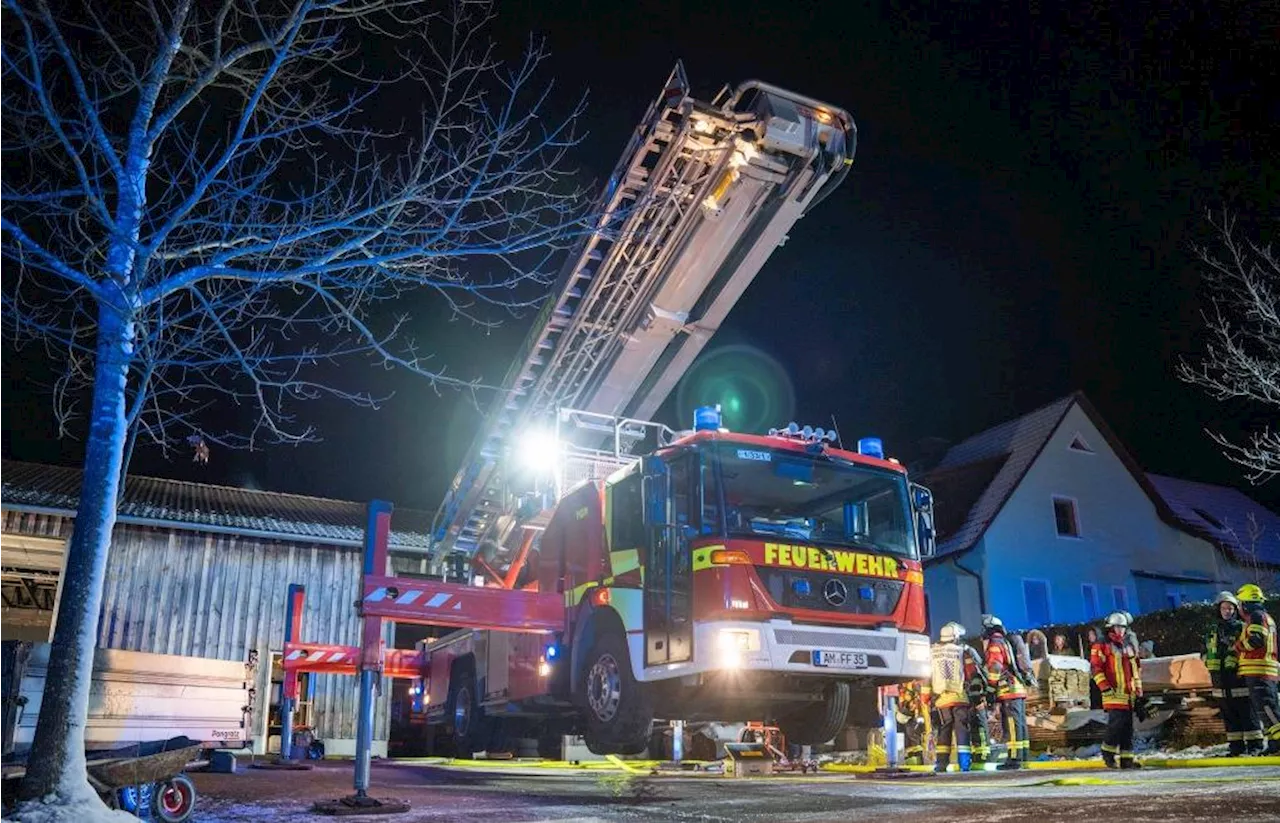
1228	517
153	500
1018	442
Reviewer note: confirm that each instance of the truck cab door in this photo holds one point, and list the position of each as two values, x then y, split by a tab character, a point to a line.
668	583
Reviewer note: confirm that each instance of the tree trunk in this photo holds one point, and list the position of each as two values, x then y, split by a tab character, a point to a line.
57	762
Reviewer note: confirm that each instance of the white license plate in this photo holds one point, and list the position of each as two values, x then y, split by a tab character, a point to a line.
839	660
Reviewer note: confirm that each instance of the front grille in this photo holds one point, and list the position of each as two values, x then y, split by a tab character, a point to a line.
829	640
863	595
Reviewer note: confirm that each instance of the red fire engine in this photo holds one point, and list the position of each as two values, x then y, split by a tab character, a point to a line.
724	576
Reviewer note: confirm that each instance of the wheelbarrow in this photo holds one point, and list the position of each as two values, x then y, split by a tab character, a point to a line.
145	779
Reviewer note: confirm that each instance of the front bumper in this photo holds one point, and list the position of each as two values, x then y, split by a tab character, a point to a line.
785	647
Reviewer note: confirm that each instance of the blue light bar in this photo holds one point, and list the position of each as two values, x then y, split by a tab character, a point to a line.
871	447
706	418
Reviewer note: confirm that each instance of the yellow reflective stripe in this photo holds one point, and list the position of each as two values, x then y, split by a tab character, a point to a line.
702	557
915	577
624	561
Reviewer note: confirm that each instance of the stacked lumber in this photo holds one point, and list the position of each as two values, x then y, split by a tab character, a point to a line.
1179	673
1063	681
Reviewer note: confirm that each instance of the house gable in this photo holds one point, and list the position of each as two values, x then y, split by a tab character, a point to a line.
1119	530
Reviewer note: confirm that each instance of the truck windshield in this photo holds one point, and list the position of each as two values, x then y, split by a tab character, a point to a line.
815	499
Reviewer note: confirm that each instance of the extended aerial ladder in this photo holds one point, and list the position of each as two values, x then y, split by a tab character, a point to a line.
702	195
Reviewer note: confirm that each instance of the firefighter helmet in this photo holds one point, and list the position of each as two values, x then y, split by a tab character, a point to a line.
951	633
1117	620
990	622
1226	597
1251	593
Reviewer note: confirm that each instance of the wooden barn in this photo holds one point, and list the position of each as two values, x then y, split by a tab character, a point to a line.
202	571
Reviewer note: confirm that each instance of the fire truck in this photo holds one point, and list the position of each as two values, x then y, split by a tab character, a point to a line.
723	576
604	571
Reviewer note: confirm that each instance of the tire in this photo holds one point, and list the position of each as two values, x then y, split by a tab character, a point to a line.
618	710
465	717
815	723
173	800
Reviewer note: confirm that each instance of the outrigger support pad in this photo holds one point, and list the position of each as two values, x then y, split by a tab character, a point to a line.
360	803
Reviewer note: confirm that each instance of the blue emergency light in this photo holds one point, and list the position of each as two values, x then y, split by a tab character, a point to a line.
552	651
871	447
706	418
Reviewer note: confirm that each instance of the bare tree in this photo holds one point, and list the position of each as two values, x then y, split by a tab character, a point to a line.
1242	356
206	203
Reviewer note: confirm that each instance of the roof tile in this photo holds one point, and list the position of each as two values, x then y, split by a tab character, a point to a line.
275	514
1228	517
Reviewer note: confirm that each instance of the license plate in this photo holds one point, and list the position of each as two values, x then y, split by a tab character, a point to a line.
839	660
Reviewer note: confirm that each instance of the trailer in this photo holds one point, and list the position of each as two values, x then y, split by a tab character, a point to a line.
136	697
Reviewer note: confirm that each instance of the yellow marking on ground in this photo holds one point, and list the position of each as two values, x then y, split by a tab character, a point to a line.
624	765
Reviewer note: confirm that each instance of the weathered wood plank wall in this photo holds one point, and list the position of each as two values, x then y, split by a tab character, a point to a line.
185	592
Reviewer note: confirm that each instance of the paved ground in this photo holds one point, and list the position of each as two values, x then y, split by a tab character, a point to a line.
505	794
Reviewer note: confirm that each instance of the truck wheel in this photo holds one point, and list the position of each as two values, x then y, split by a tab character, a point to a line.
816	723
618	711
463	713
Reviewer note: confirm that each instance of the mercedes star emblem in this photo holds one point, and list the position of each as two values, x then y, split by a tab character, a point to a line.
835	592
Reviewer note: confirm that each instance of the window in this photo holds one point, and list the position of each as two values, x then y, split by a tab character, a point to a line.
1120	597
814	498
1078	444
1036	595
626	522
1089	594
1065	517
1175	596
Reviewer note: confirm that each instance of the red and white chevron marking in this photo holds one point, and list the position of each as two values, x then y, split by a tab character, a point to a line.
408	598
321	656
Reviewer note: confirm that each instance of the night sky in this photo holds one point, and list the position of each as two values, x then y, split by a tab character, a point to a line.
1016	226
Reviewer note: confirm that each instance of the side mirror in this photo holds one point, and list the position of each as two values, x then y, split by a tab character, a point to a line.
922	502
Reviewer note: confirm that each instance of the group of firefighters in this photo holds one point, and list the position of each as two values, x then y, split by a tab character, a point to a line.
966	685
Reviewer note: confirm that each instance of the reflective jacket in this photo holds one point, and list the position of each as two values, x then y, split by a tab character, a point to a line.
1001	672
952	669
1118	673
1257	646
910	703
1220	656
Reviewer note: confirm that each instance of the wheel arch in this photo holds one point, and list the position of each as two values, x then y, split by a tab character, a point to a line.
592	621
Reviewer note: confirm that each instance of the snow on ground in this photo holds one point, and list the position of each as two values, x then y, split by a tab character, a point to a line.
76	807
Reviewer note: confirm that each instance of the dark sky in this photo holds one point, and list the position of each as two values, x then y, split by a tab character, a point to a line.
1016	225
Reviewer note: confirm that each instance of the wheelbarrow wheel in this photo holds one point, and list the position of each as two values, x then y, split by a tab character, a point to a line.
174	799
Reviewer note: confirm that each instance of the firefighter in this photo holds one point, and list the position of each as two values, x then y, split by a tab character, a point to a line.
979	713
1005	680
913	720
1259	663
1244	732
1118	673
945	691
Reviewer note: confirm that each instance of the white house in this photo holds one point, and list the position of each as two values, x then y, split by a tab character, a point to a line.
1047	519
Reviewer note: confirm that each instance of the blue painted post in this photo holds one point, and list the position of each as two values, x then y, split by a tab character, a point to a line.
377	532
891	731
677	740
289	688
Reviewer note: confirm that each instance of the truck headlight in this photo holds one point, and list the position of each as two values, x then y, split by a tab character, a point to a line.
918	651
739	640
734	644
